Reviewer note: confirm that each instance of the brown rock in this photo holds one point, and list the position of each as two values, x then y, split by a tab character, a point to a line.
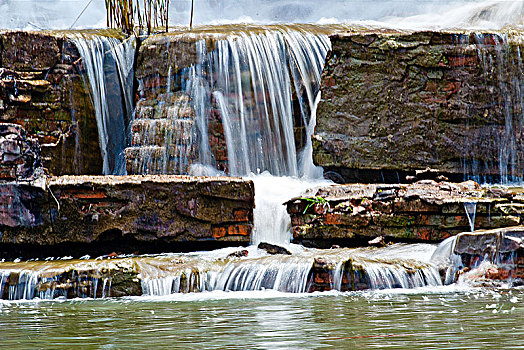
85	209
413	101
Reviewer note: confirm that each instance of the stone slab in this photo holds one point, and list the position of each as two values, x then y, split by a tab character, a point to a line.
395	102
426	211
113	210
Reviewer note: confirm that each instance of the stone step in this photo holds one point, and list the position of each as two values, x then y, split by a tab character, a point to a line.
73	213
174	112
162	131
173	159
423	211
173	107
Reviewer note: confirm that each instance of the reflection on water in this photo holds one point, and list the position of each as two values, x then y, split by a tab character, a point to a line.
443	318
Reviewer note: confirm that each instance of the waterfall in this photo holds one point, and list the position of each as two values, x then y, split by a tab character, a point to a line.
446	260
251	99
410	13
304	271
343	270
258	78
500	59
248	106
471	211
498	64
27	284
108	65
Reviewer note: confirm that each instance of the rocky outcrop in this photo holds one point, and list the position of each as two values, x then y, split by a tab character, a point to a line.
19	154
42	90
427	211
491	255
76	215
395	102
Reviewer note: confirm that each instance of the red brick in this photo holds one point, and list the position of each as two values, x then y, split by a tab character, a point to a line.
219	232
85	195
242	230
241	214
403	205
333	219
461	61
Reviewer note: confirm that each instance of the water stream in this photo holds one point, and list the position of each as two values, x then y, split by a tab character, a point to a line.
440	318
108	63
305	270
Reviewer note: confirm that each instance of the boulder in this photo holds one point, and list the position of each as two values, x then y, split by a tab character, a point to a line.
273	249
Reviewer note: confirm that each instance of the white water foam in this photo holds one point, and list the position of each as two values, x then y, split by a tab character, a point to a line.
36	14
272	222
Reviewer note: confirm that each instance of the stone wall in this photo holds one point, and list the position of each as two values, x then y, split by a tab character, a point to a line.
394	102
428	211
125	213
41	89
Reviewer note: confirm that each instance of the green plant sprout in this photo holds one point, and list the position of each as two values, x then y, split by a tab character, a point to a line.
318	200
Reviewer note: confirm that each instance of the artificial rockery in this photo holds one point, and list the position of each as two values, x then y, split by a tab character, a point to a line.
97	162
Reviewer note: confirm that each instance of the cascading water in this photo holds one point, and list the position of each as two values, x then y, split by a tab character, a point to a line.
260	88
261	70
108	64
221	270
508	72
471	211
34	14
263	85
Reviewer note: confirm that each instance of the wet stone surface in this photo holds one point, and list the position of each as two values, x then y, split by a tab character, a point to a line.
491	255
424	211
393	102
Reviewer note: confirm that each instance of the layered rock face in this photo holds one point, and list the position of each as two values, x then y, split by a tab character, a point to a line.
492	255
41	89
164	135
126	213
423	211
396	102
19	154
